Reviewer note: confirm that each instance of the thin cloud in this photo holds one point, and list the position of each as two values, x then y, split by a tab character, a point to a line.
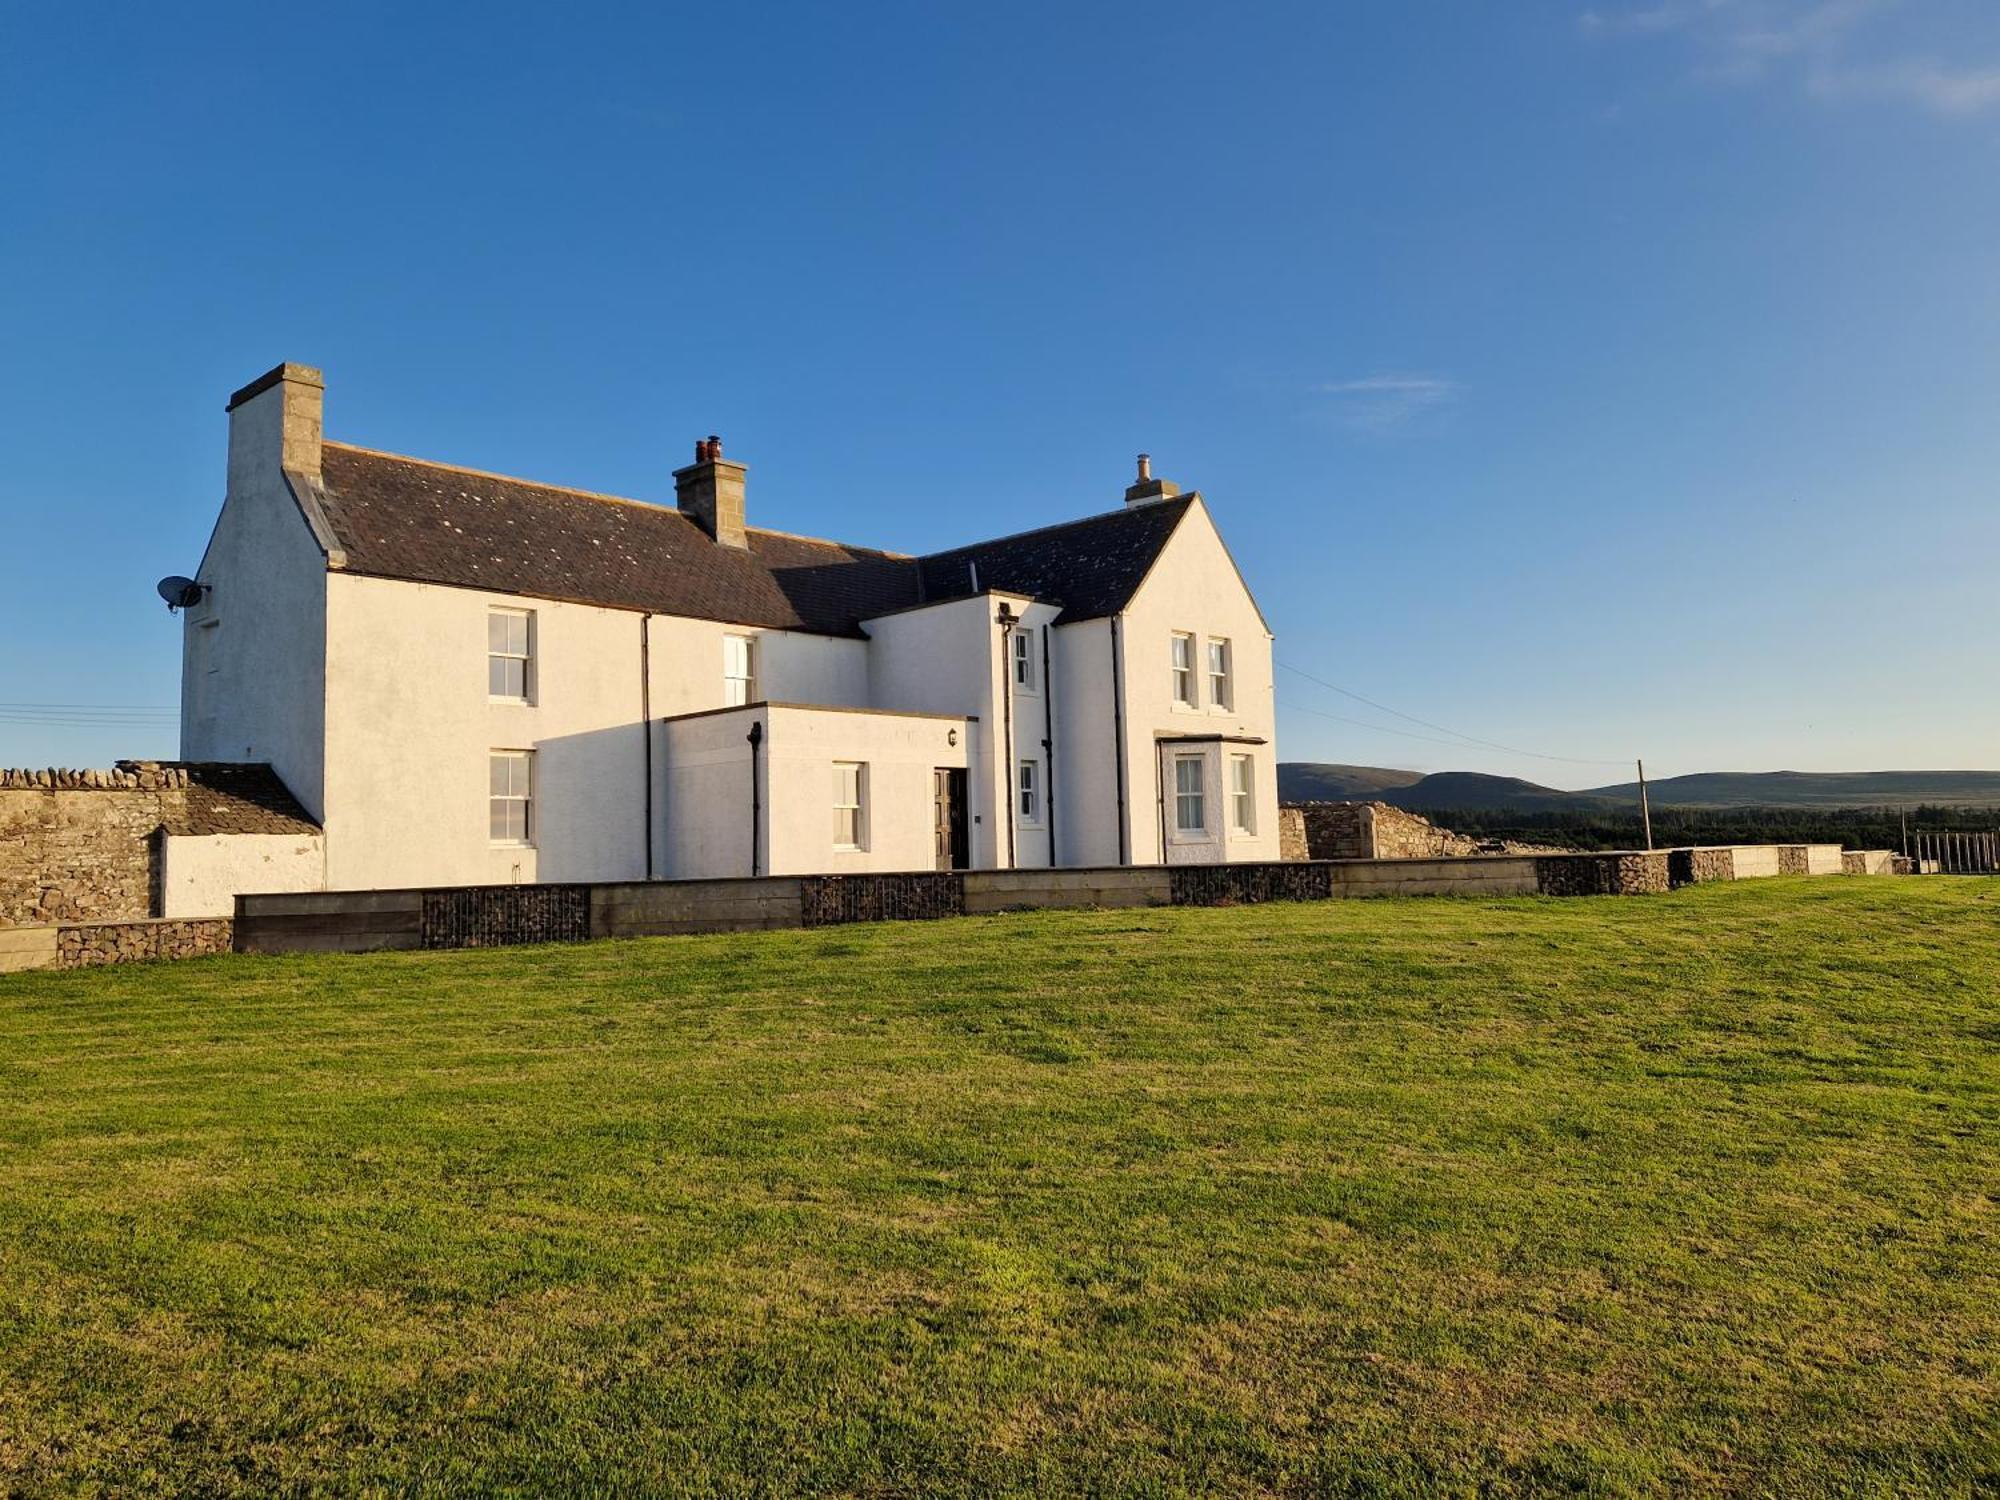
1811	43
1945	91
1386	400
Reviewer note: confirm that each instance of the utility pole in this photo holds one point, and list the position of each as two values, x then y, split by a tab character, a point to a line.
1645	807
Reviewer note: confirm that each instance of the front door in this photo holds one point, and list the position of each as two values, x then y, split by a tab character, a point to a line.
948	817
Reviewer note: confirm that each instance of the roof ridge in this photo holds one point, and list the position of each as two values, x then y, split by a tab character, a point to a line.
533	484
570	489
1015	536
827	541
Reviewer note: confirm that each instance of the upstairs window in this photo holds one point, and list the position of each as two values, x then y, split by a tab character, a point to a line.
850	808
1219	691
1184	670
510	805
739	670
1190	804
1031	791
1024	661
509	646
1242	794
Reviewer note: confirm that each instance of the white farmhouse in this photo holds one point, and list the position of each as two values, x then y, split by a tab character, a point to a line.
473	679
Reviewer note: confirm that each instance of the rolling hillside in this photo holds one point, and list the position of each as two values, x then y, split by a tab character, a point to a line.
1445	791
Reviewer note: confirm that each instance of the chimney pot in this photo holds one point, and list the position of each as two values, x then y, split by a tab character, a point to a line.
709	492
1146	488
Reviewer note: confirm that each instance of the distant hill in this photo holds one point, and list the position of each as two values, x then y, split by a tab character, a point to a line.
1446	791
1314	781
1818	789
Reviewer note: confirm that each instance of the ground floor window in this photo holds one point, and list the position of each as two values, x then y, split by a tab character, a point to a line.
510	781
850	806
1031	791
1190	804
1242	794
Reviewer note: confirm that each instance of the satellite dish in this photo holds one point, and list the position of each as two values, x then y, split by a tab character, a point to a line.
179	592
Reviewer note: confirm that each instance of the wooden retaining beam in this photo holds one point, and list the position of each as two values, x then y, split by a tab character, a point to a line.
467	916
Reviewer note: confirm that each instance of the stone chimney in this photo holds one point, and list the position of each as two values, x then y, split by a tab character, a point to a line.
275	423
709	492
1148	489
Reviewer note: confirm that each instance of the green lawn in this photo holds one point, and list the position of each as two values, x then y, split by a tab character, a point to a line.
1692	1193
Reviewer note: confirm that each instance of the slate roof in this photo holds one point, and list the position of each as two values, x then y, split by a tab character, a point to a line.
397	517
1090	567
224	797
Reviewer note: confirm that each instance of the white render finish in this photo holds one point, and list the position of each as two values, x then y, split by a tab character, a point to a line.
1194	587
370	697
253	651
202	874
708	773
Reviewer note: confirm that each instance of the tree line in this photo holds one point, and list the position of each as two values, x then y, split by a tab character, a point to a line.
1850	827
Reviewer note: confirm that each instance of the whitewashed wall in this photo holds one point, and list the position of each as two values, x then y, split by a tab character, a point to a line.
707	771
902	752
1195	587
201	875
945	659
1086	745
705	804
253	683
410	726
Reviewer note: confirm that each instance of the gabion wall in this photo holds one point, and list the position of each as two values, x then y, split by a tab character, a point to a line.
830	899
498	916
1228	885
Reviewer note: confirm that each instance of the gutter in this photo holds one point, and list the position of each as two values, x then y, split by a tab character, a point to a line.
1118	726
756	738
1007	624
646	725
1049	746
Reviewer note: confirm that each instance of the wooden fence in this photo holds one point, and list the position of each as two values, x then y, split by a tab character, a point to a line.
1956	853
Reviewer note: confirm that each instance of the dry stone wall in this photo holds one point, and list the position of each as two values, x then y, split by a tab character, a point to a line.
1375	830
85	846
90	944
80	845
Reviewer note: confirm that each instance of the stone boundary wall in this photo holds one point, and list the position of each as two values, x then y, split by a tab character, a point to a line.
83	945
1375	830
1292	840
71	853
146	839
364	921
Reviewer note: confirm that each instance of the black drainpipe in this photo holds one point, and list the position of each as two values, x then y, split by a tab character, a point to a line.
1007	623
1049	746
1118	724
756	738
646	724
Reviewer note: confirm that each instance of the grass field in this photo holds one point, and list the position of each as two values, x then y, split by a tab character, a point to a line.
1680	1194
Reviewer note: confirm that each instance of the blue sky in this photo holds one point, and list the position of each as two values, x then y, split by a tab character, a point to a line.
1593	381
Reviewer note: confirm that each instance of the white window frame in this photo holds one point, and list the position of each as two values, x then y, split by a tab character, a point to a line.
1243	794
1221	679
1183	662
1198	797
507	653
852	813
736	683
1028	792
1024	660
511	790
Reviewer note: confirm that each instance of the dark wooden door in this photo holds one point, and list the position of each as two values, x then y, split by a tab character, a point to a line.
948	817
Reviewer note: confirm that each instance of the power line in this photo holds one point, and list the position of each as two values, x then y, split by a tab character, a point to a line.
1456	737
1320	713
